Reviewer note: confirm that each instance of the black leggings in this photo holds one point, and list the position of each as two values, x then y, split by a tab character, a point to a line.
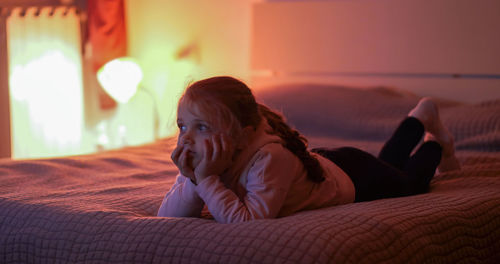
394	173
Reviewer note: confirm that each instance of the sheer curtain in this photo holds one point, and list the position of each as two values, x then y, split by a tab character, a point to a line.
45	82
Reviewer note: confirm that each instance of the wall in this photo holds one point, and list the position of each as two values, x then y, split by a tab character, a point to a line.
179	41
446	48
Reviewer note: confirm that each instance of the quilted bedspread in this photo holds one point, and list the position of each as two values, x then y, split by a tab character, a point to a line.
101	208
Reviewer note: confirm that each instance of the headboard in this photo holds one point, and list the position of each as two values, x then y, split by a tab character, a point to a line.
446	48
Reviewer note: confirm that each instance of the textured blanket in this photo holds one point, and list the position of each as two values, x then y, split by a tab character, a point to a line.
101	208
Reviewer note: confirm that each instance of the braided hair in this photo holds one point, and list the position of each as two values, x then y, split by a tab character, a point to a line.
294	141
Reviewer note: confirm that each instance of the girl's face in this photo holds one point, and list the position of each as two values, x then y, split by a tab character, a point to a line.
194	129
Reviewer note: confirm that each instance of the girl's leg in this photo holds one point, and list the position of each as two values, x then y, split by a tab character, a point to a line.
449	161
375	179
422	165
395	173
396	151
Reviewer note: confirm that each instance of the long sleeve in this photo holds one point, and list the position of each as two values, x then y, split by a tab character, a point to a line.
266	185
181	200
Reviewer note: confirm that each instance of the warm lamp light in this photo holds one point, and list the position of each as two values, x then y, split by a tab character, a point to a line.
120	78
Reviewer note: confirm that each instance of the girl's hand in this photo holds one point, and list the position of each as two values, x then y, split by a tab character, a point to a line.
181	160
217	157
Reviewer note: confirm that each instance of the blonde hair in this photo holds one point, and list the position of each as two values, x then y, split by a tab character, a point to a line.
229	104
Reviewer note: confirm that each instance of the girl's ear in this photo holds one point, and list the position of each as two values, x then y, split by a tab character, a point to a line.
245	137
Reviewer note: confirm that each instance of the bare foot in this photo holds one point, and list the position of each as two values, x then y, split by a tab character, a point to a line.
427	112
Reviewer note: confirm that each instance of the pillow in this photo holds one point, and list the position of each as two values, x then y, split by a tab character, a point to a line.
372	114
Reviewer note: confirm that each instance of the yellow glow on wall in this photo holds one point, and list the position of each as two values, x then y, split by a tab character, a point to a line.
216	34
45	84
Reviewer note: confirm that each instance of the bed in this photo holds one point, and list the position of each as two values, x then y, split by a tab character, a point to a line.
101	208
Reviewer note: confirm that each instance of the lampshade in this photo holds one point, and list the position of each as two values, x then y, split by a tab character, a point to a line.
120	78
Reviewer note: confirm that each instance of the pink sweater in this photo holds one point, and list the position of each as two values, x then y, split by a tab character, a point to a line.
272	183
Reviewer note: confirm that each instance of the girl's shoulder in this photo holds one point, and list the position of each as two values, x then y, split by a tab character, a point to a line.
273	163
275	149
275	154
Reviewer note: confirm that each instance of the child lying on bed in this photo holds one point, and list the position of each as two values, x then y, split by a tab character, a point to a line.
241	160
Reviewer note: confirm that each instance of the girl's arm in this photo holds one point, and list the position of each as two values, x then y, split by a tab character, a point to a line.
181	200
268	182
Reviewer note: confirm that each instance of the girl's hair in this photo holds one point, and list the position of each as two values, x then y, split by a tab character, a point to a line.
232	106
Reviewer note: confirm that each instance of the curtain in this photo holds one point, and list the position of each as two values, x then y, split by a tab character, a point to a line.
45	82
107	36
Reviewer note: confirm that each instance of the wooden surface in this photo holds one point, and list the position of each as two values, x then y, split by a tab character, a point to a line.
5	145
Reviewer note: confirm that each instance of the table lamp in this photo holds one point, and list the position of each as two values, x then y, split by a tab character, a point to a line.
120	78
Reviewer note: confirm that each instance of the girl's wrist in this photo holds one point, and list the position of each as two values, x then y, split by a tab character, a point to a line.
199	178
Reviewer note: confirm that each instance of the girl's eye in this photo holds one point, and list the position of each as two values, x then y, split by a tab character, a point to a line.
203	128
182	128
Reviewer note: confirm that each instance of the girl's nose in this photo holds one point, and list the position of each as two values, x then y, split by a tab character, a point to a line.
186	139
